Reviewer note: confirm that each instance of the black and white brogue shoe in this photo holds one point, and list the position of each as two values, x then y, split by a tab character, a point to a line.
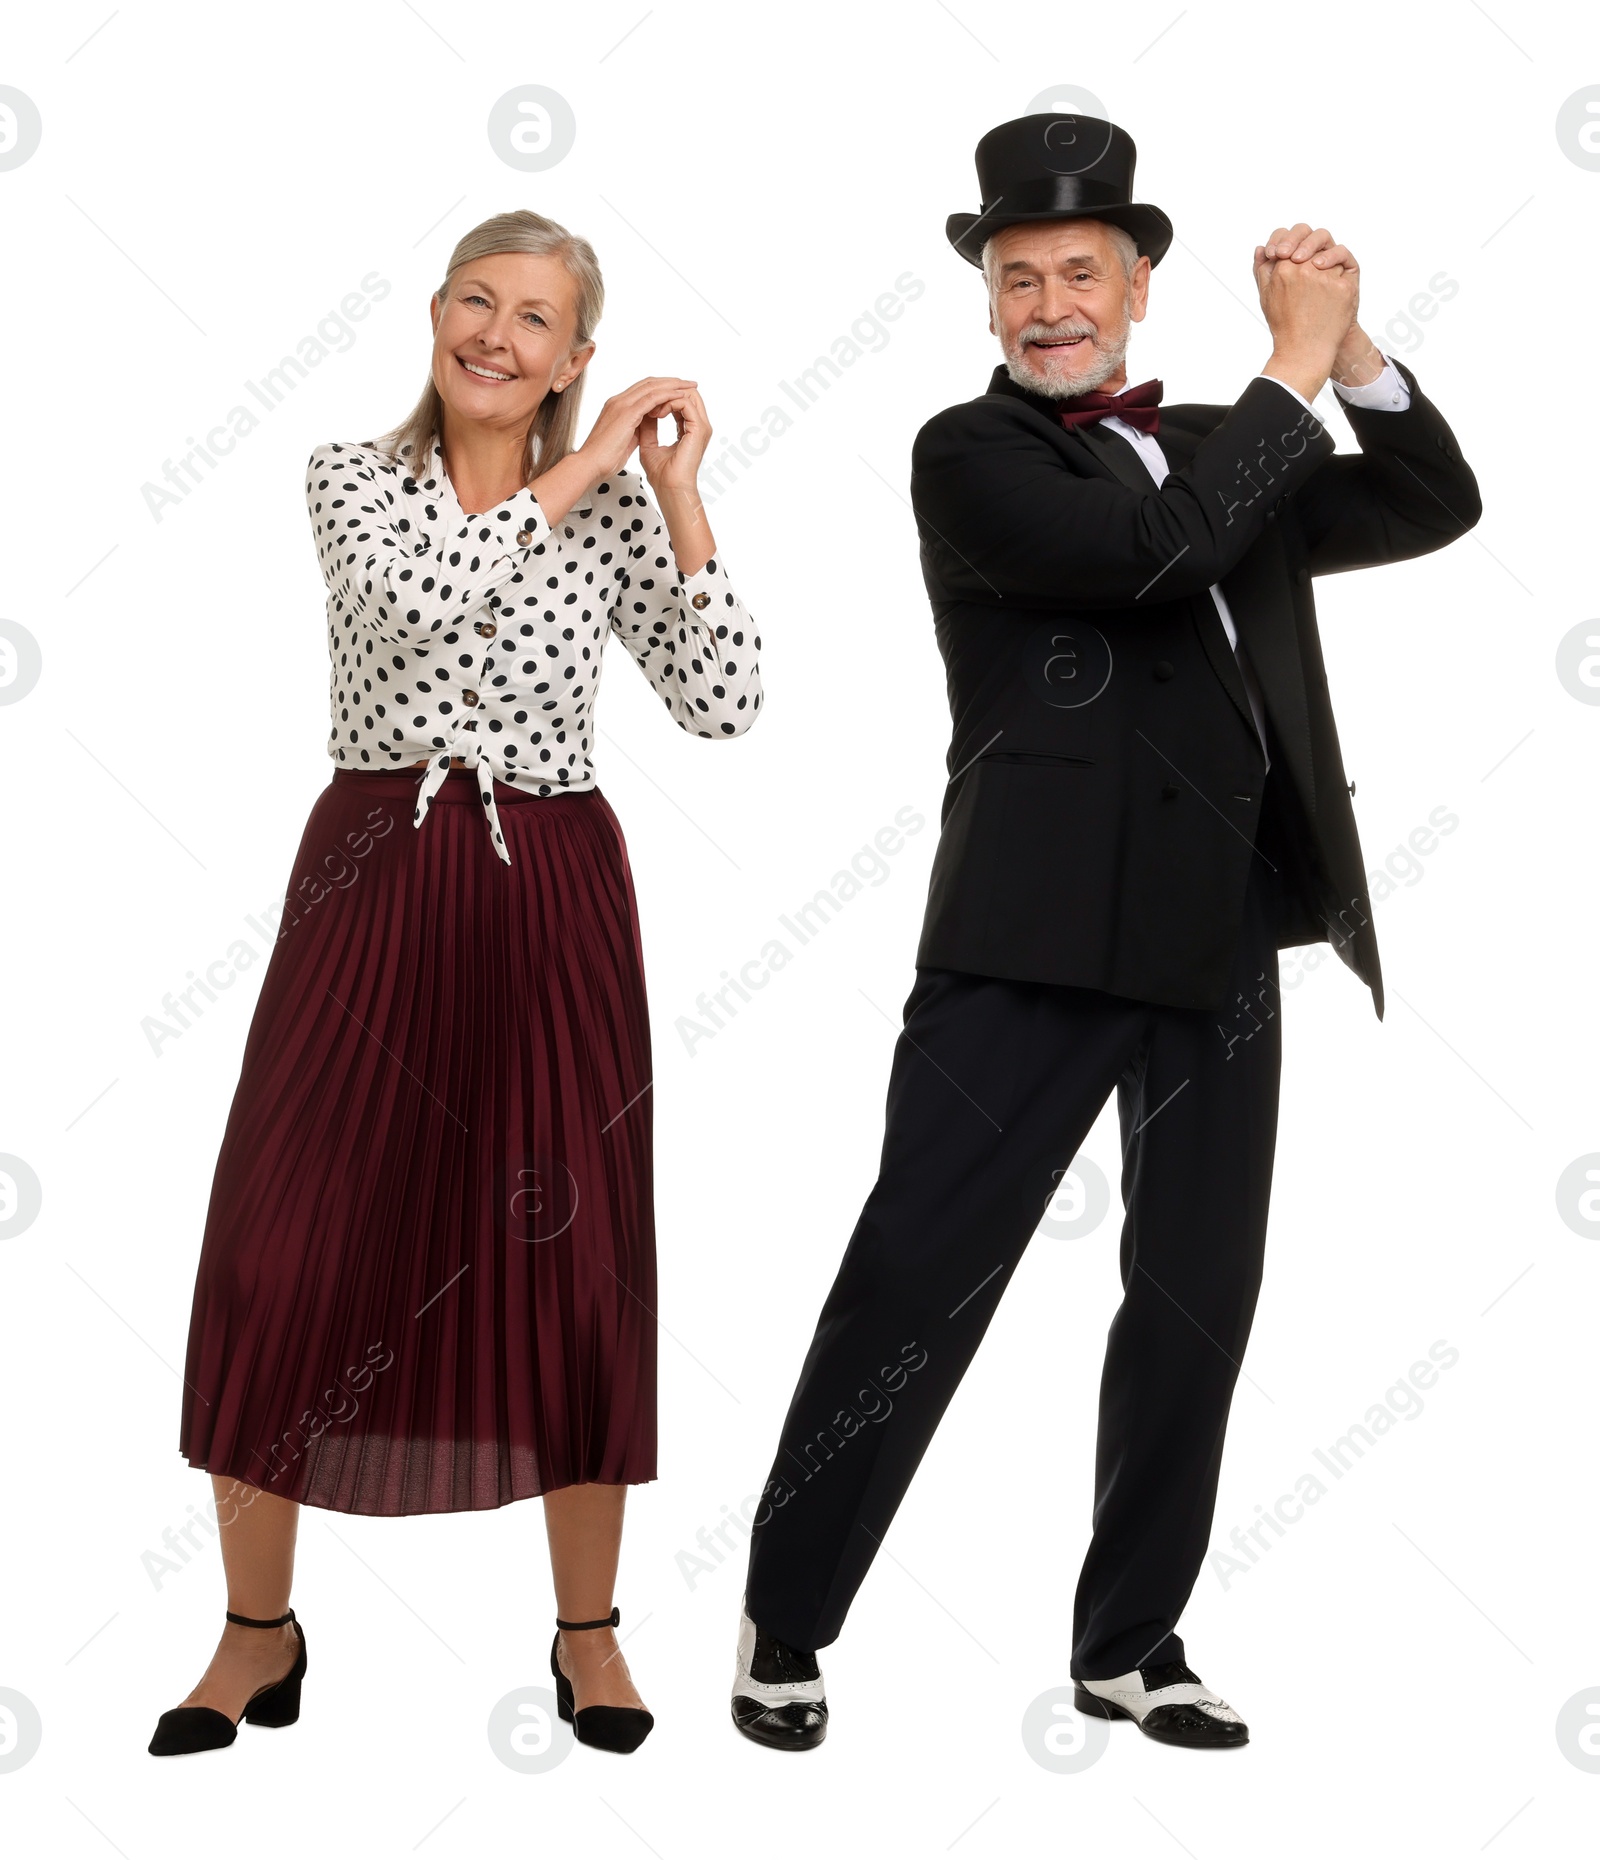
1167	1702
777	1691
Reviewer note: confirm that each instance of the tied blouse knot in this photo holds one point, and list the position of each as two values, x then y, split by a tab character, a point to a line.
481	636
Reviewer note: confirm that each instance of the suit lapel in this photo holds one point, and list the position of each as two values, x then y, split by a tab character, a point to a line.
1254	591
1106	453
1179	438
1112	450
1262	614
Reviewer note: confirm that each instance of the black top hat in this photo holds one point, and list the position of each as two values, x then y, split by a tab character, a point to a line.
1054	167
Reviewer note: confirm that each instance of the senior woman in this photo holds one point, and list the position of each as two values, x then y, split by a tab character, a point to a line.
427	1278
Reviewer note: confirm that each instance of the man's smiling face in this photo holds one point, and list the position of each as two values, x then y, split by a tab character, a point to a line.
1062	305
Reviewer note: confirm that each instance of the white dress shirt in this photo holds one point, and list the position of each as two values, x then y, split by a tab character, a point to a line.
1388	392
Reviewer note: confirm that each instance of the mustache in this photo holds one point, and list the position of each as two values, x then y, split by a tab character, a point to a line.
1045	332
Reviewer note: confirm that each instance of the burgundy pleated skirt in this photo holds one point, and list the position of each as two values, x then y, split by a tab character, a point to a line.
427	1279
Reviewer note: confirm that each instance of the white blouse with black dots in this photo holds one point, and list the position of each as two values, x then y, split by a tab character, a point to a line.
481	636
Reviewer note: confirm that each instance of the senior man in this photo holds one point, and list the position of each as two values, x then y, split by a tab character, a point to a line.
1146	801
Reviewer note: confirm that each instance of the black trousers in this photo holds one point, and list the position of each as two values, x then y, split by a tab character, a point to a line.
994	1086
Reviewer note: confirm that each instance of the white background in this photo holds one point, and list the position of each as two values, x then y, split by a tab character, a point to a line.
210	183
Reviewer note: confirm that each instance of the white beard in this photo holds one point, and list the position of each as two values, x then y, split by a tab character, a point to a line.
1109	351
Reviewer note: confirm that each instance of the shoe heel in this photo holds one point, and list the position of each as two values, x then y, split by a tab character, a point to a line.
1093	1707
278	1707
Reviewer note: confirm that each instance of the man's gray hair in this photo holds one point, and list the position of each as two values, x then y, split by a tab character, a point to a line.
1122	243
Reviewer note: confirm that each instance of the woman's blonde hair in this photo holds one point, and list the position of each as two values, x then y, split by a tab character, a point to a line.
552	433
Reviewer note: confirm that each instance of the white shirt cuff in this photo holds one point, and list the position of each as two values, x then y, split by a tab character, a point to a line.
1389	392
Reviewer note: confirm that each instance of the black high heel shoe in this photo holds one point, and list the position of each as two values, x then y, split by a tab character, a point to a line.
606	1727
188	1728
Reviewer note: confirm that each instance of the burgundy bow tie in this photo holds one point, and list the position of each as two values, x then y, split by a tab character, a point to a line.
1139	406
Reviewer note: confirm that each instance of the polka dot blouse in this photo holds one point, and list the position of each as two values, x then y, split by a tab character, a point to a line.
481	636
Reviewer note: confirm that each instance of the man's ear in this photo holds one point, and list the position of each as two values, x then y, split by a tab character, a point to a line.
1139	290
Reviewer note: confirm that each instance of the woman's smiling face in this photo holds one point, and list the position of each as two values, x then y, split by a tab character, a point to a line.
504	336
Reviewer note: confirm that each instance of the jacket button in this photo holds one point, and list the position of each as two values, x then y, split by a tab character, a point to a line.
1352	787
1162	668
1171	790
524	537
1302	575
469	697
486	628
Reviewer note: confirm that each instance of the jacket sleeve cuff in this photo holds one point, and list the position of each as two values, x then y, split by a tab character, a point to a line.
1289	390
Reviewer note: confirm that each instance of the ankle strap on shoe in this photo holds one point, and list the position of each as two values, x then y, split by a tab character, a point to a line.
571	1627
249	1621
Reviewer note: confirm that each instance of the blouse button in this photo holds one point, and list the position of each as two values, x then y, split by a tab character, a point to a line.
469	697
486	628
702	599
524	537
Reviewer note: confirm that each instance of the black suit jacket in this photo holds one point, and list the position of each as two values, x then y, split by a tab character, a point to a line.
1105	772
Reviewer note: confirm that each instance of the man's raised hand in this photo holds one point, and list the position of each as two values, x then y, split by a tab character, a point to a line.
1309	302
